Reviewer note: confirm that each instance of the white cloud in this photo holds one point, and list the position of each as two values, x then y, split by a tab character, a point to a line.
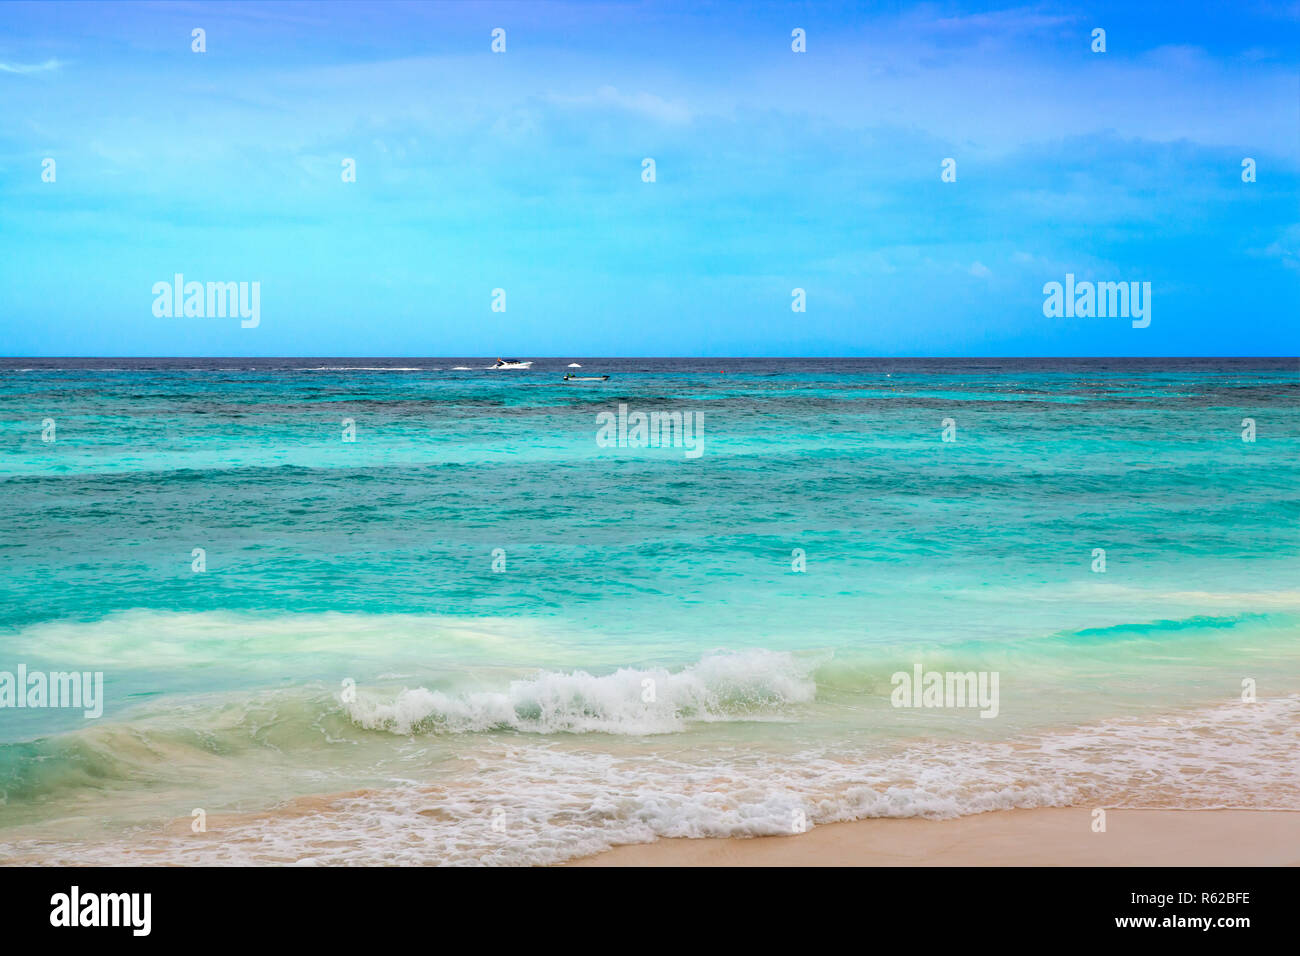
647	104
1022	20
1285	249
50	64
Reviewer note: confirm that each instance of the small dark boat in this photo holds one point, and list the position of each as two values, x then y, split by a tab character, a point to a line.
586	378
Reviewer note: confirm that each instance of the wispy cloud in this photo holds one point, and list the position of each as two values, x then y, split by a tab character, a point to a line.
1022	20
50	64
646	104
1286	249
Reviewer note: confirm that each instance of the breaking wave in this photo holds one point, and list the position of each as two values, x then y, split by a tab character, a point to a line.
745	685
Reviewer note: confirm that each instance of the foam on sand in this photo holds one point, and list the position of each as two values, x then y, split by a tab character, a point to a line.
531	802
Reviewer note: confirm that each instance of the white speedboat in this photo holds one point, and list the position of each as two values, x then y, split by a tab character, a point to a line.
511	363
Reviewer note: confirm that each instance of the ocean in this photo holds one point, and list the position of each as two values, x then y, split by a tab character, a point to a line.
410	611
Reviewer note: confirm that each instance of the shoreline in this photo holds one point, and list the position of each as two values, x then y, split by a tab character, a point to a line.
1051	836
1055	836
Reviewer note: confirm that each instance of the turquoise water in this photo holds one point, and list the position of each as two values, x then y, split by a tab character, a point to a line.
500	712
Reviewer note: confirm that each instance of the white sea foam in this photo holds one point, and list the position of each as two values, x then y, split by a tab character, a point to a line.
237	641
548	801
732	686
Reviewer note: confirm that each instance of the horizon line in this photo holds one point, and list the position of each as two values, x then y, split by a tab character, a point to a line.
630	357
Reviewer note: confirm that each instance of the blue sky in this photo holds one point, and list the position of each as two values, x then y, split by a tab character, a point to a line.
775	170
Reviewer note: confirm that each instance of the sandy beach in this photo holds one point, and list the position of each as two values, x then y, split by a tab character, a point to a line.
1045	837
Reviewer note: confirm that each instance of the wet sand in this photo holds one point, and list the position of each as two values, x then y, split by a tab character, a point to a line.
1046	837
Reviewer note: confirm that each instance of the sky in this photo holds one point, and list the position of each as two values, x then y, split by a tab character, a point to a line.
774	170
